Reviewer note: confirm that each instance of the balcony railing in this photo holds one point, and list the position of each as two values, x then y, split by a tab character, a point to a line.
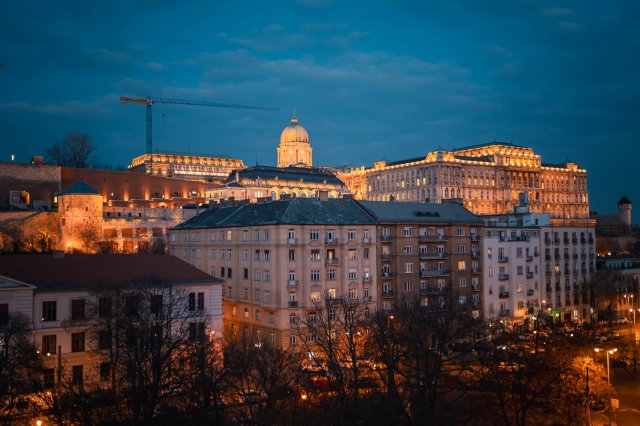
332	301
547	241
434	290
366	240
333	261
366	299
431	238
434	273
293	283
366	279
427	256
386	256
293	304
476	287
503	294
475	237
530	292
386	238
292	241
503	277
548	273
504	312
387	293
331	240
503	259
475	271
529	258
475	254
529	274
387	274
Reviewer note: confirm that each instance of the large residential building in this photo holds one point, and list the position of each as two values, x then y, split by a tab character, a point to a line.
281	260
57	294
428	254
535	262
488	178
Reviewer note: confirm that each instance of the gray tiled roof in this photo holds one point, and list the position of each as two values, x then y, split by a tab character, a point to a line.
301	211
80	187
385	211
287	174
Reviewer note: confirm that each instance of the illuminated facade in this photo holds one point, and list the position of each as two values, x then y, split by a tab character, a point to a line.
295	149
488	178
186	166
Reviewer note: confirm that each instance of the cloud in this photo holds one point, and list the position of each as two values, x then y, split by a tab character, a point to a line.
556	13
155	66
569	26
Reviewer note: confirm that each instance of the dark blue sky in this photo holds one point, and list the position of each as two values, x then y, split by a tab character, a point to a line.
369	80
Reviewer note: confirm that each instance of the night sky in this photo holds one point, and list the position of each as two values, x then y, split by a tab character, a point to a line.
369	80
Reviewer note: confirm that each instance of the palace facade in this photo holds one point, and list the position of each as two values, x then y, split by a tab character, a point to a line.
488	178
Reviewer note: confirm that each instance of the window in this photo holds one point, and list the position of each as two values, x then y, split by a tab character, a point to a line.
315	275
228	272
461	248
408	285
519	270
460	232
352	254
229	252
365	253
331	236
462	300
519	288
292	340
314	235
265	235
266	256
519	252
462	265
331	274
49	310
408	250
353	274
315	297
256	255
156	304
257	294
351	234
490	271
131	306
104	339
408	268
463	282
77	309
245	273
489	252
105	371
49	344
200	301
266	276
292	235
77	374
246	312
292	255
315	255
245	293
256	235
77	342
245	254
257	275
408	231
197	331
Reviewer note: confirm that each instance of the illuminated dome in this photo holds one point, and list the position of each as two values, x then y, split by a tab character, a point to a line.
294	133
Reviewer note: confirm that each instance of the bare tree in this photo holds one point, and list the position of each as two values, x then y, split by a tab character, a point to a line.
89	234
75	150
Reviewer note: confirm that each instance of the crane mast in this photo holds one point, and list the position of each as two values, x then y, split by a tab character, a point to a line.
150	100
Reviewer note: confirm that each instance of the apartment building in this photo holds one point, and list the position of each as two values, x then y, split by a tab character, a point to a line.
56	292
428	254
282	260
535	262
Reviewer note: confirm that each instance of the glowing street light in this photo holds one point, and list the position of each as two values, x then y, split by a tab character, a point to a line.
609	352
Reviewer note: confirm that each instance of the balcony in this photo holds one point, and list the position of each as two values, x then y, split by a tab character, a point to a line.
434	273
476	287
547	257
428	256
387	293
366	299
504	312
503	294
434	290
366	240
386	238
431	238
475	237
583	241
475	271
366	279
566	241
530	292
590	240
476	303
556	241
557	257
584	271
529	258
332	301
387	274
334	261
293	283
547	241
536	253
475	254
503	259
293	304
548	273
566	256
575	255
574	240
591	256
529	274
331	241
386	256
503	277
292	241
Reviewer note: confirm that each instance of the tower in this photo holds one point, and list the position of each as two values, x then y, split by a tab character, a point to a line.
294	149
624	210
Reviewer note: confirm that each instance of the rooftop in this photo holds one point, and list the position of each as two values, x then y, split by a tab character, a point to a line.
85	270
313	174
80	187
386	211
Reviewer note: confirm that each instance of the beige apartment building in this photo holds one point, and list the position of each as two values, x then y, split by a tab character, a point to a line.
282	260
428	254
488	178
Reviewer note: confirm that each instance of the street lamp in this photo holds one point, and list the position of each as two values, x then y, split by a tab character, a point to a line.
609	352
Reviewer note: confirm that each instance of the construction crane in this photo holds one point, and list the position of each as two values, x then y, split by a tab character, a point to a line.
149	101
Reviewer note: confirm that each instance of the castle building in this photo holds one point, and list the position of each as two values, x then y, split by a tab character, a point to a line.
186	166
488	179
295	149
